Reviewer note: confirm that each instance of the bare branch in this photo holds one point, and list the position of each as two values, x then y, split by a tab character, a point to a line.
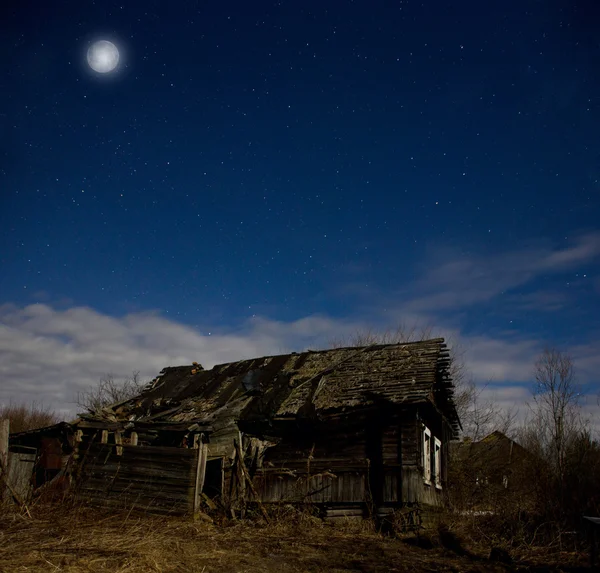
109	391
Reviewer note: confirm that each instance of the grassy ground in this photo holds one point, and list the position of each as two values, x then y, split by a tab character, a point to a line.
85	540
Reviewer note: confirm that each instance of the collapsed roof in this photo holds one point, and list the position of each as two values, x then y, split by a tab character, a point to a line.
311	384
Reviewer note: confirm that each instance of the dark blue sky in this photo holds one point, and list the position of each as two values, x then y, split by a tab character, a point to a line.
364	162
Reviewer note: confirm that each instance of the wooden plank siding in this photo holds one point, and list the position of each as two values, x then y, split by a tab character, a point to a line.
342	487
381	460
158	479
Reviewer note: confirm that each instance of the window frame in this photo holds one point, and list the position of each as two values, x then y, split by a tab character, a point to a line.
426	460
437	456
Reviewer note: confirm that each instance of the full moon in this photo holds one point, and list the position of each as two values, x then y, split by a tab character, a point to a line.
103	56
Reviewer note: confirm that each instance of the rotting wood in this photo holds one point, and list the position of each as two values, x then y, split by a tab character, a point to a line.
4	433
118	442
244	470
200	474
344	512
157	479
16	497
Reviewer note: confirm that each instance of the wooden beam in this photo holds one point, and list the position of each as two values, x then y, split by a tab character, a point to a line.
133	441
248	479
4	433
118	442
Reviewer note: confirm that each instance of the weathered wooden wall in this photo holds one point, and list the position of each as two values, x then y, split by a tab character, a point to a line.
414	488
378	459
316	470
300	487
20	472
158	479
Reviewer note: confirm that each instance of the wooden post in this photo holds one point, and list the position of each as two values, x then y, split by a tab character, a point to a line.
76	443
200	474
4	433
133	439
118	442
104	437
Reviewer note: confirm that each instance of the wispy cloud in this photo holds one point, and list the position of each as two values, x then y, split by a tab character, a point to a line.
508	358
459	280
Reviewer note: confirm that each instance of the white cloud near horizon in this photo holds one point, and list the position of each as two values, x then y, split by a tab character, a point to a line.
49	355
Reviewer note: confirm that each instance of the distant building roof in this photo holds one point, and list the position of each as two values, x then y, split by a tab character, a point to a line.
494	450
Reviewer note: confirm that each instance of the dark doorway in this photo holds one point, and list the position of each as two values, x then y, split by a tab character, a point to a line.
213	480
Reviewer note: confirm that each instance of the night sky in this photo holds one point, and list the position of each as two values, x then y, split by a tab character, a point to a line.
256	177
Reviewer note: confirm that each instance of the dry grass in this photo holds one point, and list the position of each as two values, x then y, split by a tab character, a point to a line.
86	540
28	417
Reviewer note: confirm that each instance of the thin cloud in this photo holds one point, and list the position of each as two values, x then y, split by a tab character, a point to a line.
460	281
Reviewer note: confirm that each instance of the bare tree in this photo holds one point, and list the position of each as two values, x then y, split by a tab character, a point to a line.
109	391
556	406
480	416
565	459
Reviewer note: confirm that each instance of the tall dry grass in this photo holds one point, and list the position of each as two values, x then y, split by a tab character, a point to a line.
28	416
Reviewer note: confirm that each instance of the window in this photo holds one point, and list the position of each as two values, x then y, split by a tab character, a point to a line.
427	455
437	456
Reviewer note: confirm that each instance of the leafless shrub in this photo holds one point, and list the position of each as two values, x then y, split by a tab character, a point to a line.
109	391
28	417
481	416
368	336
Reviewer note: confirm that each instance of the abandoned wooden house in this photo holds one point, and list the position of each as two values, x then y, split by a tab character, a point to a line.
350	428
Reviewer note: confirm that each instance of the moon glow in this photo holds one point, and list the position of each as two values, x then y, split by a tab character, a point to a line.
103	56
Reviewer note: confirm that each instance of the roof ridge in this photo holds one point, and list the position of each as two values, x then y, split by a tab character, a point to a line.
380	346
